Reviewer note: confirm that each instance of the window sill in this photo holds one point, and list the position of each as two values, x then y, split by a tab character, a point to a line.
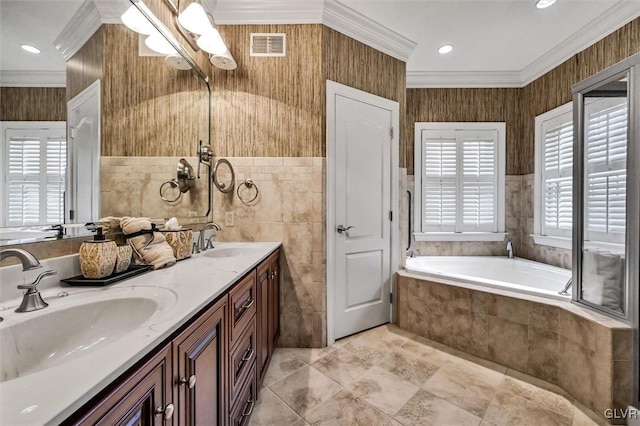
559	242
460	236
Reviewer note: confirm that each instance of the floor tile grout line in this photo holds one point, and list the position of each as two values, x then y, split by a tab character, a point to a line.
287	375
287	405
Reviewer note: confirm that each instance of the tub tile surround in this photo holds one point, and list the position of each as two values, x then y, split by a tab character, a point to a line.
289	208
388	376
585	353
519	194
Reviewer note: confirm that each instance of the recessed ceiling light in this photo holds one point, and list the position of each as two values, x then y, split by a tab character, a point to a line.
29	48
445	49
542	4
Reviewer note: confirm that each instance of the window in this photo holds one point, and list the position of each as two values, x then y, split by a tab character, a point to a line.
34	169
554	177
605	173
459	170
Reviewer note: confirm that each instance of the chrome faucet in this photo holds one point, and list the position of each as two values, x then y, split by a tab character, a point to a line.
510	251
31	300
201	244
565	292
28	260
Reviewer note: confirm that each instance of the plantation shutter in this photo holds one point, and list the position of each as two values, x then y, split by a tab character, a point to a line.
605	170
557	176
36	167
440	150
479	180
460	181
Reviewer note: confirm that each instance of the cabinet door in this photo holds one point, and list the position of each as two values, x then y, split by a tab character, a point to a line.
140	400
246	401
199	367
262	319
274	301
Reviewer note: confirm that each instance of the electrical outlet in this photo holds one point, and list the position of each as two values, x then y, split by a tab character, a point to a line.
228	218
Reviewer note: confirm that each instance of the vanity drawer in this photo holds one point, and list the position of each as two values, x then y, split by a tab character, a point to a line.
245	403
242	302
242	360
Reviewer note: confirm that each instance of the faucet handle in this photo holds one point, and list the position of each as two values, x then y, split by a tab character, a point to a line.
33	285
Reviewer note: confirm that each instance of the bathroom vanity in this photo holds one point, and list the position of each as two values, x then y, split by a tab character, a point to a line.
198	359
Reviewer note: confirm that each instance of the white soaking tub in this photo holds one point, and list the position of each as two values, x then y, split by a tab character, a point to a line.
519	275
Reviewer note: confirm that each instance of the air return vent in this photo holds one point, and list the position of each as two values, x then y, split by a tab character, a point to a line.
268	44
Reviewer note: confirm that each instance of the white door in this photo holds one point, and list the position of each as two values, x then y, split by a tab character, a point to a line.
83	189
359	201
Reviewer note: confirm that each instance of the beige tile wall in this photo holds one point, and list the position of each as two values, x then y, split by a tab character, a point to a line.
288	209
518	223
586	354
129	186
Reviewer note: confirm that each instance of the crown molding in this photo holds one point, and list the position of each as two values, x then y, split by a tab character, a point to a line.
331	13
111	10
468	79
240	12
84	23
617	16
33	78
357	26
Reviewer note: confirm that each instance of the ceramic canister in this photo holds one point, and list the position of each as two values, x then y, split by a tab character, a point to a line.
98	258
180	241
123	259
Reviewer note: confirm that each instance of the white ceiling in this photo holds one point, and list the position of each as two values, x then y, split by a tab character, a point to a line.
35	22
488	36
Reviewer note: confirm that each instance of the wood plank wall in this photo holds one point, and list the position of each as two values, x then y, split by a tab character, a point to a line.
352	63
85	66
33	104
270	106
519	107
436	105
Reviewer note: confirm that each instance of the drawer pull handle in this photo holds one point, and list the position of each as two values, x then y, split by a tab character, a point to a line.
247	304
248	354
248	408
191	381
166	412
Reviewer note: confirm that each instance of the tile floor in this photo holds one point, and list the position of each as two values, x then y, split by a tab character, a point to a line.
387	376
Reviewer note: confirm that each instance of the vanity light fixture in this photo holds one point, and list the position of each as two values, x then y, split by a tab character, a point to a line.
543	4
29	48
135	20
158	43
194	19
211	42
444	49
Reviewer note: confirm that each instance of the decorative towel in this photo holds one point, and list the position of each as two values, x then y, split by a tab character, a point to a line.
149	246
603	279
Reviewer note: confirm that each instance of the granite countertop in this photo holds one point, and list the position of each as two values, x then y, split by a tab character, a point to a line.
51	395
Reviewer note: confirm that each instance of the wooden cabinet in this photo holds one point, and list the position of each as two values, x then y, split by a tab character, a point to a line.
209	371
200	373
143	399
268	315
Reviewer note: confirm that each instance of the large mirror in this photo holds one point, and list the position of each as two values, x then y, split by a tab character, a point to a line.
97	132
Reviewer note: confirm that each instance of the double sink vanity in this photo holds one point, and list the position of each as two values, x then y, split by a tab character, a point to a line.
188	344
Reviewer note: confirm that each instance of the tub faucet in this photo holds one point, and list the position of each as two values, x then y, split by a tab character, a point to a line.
565	292
201	244
509	250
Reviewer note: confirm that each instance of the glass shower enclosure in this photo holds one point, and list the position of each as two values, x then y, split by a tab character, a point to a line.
606	198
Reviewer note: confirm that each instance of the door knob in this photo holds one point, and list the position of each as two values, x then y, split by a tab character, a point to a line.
342	229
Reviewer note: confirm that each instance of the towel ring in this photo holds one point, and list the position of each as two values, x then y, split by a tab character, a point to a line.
174	184
222	186
248	184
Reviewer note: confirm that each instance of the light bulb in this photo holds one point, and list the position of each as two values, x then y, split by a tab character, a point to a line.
195	19
136	21
158	43
212	42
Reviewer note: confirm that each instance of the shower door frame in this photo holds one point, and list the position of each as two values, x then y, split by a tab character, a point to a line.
631	66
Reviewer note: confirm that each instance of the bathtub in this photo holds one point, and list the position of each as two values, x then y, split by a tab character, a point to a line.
519	275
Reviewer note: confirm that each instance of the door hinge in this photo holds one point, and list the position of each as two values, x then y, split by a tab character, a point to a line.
72	132
391	133
391	298
72	214
390	216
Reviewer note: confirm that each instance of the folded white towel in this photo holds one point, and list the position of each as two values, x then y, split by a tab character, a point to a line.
603	279
151	248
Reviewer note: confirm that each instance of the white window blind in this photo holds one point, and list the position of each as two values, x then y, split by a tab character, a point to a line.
605	170
35	171
460	174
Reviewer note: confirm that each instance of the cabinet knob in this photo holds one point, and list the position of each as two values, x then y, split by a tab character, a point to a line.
166	412
191	381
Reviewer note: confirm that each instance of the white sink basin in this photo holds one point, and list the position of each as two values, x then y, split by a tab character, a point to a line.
231	250
75	326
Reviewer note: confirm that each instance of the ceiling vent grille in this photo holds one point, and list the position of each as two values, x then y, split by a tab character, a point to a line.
268	44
